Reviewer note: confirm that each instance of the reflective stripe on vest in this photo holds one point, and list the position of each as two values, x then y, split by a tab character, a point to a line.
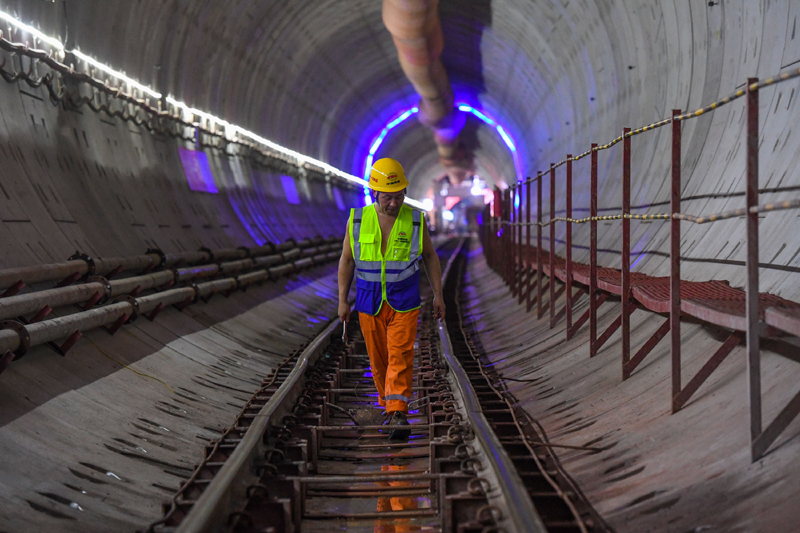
380	279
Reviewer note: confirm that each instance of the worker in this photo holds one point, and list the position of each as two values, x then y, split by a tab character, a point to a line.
383	247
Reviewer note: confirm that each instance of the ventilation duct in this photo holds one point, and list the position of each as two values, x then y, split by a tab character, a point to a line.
417	33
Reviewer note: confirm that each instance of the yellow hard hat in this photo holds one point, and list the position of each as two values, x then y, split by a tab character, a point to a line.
387	176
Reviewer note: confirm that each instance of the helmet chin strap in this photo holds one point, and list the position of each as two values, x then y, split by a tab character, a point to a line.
378	203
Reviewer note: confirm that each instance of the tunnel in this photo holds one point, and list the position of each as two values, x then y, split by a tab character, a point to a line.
611	189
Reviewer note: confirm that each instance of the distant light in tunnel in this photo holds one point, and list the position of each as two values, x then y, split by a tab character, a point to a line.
427	204
516	201
500	131
448	215
506	138
399	120
469	109
478	186
451	201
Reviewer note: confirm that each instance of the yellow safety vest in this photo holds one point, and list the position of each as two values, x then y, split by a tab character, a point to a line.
394	278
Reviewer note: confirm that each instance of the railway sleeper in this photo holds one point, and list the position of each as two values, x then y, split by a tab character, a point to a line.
319	441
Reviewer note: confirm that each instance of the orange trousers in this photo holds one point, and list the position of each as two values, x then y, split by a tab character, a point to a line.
390	337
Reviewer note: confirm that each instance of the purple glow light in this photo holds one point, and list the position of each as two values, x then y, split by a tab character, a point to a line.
290	190
377	141
337	197
507	140
197	170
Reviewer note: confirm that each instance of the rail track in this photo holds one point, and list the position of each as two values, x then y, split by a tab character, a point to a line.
309	451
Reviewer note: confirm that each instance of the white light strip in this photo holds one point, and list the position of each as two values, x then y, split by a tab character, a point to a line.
119	75
55	43
229	128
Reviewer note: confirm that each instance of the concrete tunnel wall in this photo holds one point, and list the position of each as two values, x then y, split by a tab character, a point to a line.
324	80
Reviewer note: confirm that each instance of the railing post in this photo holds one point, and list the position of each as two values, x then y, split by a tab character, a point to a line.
491	237
498	214
569	245
501	204
506	235
675	262
539	309
512	217
626	248
593	255
515	233
528	245
552	263
753	322
520	261
501	262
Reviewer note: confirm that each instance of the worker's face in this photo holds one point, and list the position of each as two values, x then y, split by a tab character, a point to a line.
391	202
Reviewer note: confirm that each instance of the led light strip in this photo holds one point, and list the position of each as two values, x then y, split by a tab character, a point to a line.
119	75
500	131
466	108
231	130
55	43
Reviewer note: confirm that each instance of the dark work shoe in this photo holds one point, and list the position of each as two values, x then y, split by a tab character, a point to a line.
399	419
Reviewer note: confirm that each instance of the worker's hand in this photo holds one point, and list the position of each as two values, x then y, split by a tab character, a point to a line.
438	308
344	312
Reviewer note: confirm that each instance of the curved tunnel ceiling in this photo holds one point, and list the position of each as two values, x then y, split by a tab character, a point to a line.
324	80
308	75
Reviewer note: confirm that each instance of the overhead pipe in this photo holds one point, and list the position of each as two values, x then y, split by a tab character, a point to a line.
417	34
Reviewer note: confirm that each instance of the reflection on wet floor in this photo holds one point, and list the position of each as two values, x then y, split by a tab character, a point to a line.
397	502
372	505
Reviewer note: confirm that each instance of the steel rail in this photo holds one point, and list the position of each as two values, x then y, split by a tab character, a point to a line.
227	489
520	507
216	444
216	503
225	492
541	439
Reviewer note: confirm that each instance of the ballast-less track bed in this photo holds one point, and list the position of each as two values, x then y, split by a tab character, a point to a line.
310	453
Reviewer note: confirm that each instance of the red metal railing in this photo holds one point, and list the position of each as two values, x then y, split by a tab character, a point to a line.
745	314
